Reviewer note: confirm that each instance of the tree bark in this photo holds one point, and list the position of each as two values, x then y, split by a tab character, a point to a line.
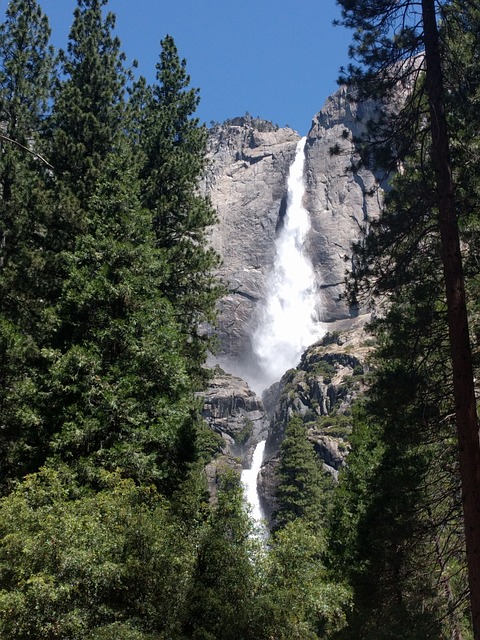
462	368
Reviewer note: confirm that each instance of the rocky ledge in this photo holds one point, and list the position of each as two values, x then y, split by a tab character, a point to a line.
331	374
233	411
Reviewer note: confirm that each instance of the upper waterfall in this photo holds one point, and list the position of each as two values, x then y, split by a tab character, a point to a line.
250	162
287	322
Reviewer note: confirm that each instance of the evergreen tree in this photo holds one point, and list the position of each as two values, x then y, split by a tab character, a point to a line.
299	600
388	34
395	531
86	105
88	111
301	484
173	162
25	68
117	389
222	596
109	386
25	82
25	78
397	526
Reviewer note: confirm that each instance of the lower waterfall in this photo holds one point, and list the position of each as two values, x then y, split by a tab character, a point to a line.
287	322
249	481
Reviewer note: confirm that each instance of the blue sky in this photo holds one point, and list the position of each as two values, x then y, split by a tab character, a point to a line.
277	59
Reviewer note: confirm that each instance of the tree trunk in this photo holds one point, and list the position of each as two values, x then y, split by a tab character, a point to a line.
464	393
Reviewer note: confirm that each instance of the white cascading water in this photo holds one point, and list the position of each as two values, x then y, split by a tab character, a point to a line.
249	481
288	321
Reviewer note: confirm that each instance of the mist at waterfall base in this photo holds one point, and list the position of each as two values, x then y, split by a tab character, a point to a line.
287	321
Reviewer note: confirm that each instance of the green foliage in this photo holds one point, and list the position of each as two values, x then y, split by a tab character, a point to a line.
241	437
219	604
299	601
88	108
396	518
324	369
397	525
101	349
116	346
75	564
335	424
171	164
302	487
209	443
102	370
25	66
105	289
25	75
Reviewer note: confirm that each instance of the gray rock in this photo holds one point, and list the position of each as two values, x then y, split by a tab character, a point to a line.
236	413
320	390
341	196
217	468
267	484
247	183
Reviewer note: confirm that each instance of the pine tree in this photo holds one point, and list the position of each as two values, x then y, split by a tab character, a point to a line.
388	35
302	487
86	104
25	83
173	162
221	600
387	545
25	68
88	111
117	388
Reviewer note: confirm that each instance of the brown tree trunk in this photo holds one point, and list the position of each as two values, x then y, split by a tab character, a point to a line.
464	394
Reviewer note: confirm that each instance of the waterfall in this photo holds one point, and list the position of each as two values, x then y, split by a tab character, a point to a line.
288	322
249	481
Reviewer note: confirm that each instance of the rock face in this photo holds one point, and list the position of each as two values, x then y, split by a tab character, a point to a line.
247	183
250	159
236	413
320	390
233	411
340	195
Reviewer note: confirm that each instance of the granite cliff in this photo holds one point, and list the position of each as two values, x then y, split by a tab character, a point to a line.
249	166
247	183
250	159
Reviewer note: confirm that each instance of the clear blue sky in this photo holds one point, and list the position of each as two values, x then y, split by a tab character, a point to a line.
277	59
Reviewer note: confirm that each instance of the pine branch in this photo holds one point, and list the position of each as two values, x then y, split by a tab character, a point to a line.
21	146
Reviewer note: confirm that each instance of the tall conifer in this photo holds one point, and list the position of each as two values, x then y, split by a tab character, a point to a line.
25	77
89	107
174	148
302	486
118	393
388	37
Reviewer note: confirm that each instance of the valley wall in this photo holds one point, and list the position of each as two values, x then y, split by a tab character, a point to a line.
247	184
